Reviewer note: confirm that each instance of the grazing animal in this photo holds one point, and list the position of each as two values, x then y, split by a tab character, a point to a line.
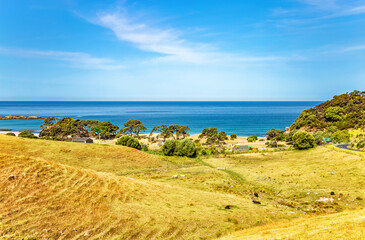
175	176
256	202
228	207
256	194
11	177
332	193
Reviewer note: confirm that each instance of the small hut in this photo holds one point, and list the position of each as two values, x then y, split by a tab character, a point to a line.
240	147
82	140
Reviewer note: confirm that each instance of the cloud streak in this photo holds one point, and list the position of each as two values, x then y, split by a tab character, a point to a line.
354	48
169	43
75	59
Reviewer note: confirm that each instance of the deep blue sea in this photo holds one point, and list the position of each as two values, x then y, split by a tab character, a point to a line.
242	118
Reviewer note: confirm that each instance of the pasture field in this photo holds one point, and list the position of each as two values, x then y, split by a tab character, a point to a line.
51	189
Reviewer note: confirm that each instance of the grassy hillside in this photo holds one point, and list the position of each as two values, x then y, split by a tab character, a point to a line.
345	225
63	190
343	112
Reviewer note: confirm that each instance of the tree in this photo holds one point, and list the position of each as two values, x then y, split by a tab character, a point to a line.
303	140
133	126
48	121
104	129
178	130
252	138
64	128
222	136
333	114
10	134
275	135
185	148
169	147
164	131
212	135
233	136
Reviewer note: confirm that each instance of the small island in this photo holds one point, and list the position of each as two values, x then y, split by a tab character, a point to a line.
11	117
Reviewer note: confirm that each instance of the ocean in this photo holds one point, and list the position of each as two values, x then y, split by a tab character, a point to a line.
241	118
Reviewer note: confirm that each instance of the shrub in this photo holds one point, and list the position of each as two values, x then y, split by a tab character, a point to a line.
134	143
129	141
10	134
145	148
123	140
303	140
333	114
233	136
360	144
341	137
26	135
185	148
252	138
169	147
203	152
318	136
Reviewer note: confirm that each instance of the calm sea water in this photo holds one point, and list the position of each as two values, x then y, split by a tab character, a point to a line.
242	118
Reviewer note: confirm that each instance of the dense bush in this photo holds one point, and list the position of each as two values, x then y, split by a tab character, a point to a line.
343	112
303	140
169	147
333	114
123	140
233	136
185	148
252	138
26	135
319	138
203	152
361	144
341	137
65	127
10	134
129	141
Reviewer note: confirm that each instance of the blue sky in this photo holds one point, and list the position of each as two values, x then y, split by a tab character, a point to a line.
181	49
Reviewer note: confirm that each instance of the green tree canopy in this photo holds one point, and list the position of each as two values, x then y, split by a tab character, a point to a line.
133	127
303	140
333	114
104	129
64	128
48	121
275	135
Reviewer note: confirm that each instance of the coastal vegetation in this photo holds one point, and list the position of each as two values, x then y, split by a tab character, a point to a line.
129	141
345	111
117	191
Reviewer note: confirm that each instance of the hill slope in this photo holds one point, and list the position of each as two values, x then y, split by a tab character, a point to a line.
44	199
345	225
343	111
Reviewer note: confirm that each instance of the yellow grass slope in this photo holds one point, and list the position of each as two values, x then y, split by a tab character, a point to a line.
345	225
48	200
108	158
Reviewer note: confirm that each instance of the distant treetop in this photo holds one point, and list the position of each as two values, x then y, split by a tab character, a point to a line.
343	111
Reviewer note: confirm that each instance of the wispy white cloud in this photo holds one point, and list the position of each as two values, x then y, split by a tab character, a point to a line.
354	48
169	43
75	59
320	10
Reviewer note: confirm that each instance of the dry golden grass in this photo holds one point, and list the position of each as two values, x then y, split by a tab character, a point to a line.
345	225
49	200
76	191
108	158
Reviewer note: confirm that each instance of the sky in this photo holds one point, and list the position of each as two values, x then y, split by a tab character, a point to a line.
181	50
